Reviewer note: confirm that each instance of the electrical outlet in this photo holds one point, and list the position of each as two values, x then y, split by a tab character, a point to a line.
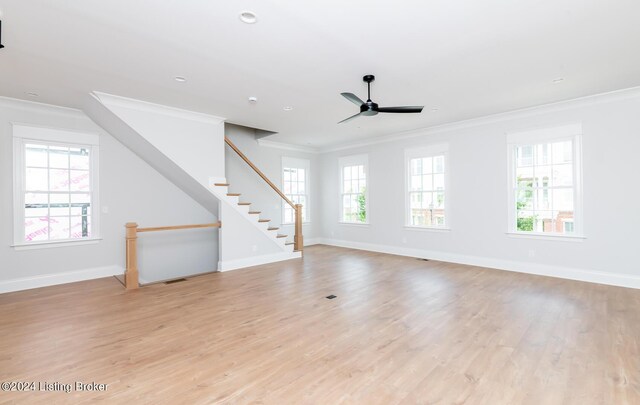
532	253
404	240
105	209
254	248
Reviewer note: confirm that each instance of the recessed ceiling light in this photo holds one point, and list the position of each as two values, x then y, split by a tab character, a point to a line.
32	94
248	17
287	108
253	100
558	80
181	79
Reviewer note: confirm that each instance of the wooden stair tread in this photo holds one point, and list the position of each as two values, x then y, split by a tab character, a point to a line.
264	220
289	243
234	194
254	212
272	229
244	203
222	184
281	236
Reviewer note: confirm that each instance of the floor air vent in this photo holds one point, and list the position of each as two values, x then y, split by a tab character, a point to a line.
177	280
330	297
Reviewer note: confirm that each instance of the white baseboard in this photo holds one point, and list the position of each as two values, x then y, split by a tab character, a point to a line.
312	241
570	273
45	280
256	260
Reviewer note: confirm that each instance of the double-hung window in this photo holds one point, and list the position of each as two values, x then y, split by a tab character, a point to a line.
426	185
55	185
544	181
354	197
295	182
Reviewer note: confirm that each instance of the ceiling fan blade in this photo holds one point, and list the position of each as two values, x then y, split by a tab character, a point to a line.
408	109
350	118
353	98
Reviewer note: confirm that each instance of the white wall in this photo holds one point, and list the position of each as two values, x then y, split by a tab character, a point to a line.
131	190
478	195
254	190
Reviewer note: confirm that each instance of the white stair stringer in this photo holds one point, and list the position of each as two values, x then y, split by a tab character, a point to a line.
240	227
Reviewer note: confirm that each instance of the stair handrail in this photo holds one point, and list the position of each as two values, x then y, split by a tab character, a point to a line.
297	238
131	281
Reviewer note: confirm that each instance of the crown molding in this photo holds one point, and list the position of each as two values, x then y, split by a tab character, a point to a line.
288	146
145	106
617	95
38	106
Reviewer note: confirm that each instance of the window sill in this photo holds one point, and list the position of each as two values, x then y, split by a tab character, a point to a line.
55	244
426	228
362	224
544	236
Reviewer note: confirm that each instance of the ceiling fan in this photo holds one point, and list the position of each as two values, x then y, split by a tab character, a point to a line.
371	108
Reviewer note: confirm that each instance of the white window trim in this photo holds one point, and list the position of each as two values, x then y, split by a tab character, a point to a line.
299	164
571	132
419	152
23	133
354	160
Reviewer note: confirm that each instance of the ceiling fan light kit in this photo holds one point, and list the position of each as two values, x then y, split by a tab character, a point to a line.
369	108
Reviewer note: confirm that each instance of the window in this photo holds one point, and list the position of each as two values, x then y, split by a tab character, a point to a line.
354	191
295	182
55	190
426	186
545	194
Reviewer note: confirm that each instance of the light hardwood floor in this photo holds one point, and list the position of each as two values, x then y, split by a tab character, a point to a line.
401	330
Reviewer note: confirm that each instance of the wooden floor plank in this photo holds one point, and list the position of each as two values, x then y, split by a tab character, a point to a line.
401	330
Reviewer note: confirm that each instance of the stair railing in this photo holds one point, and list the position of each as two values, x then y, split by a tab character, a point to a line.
131	280
297	238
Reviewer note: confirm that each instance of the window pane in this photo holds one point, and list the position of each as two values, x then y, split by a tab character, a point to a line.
80	180
416	183
563	175
58	180
525	220
37	179
524	177
294	187
79	158
415	166
36	155
545	221
524	155
346	173
438	201
563	200
562	152
427	182
524	199
543	154
438	164
36	229
80	227
542	199
302	187
438	181
427	165
58	228
58	157
361	173
36	198
543	175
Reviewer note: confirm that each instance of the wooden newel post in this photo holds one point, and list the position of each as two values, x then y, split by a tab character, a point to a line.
131	273
297	239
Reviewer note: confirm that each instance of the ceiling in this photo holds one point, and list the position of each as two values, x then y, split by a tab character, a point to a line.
465	58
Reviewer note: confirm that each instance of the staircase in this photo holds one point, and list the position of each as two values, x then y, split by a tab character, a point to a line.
189	149
221	191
